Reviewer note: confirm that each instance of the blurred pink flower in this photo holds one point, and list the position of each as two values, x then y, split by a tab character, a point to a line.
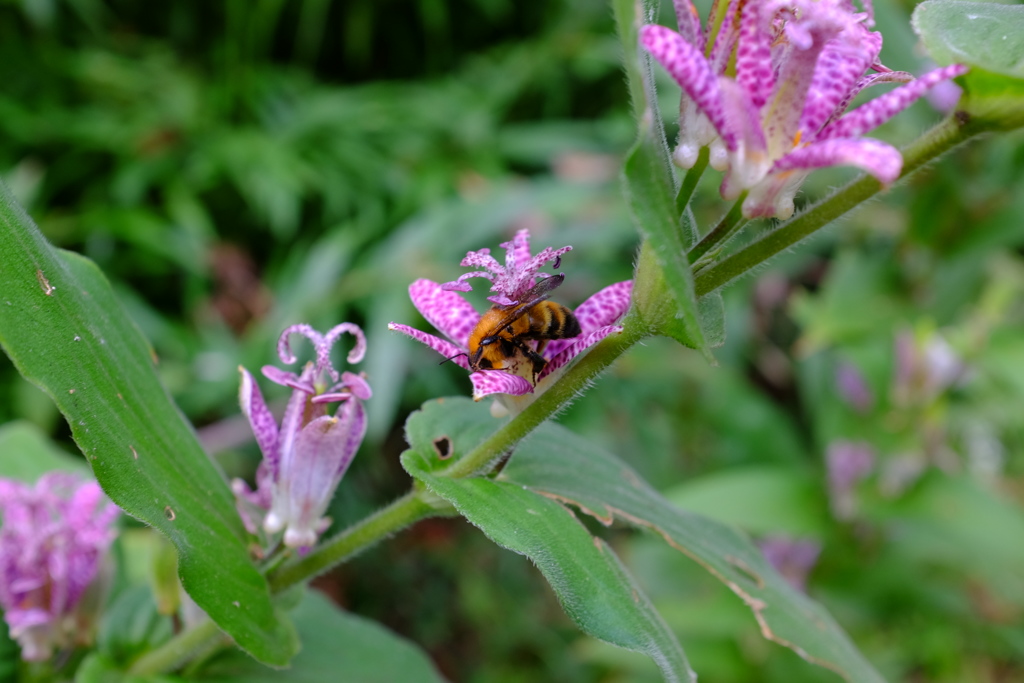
53	538
770	96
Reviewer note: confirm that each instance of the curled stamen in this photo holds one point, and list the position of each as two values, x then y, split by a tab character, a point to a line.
357	352
284	349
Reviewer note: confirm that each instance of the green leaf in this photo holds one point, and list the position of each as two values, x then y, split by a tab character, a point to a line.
594	588
557	463
979	34
988	37
66	333
665	297
337	646
26	454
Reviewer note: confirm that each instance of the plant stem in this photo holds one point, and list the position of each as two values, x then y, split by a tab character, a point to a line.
404	511
940	139
557	397
691	179
176	650
730	224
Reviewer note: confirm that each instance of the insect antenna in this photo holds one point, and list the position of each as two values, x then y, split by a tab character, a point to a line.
454	357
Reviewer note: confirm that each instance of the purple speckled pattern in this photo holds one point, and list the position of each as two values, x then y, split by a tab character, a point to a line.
876	112
688	22
798	65
306	456
604	308
511	281
487	382
840	66
449	313
878	158
691	71
576	347
753	55
53	538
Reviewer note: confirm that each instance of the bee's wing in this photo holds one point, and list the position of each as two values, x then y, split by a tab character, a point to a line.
539	292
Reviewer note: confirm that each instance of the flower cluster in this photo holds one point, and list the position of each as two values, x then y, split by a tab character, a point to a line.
305	458
769	98
53	538
456	318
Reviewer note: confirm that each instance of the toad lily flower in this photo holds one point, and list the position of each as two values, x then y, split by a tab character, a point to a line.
53	538
304	459
456	318
770	96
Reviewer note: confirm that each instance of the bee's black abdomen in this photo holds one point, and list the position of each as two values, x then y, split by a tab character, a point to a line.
572	327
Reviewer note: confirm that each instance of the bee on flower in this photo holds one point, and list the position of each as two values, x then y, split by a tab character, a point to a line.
524	340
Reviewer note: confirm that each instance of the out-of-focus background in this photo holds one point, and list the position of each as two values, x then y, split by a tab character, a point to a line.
237	167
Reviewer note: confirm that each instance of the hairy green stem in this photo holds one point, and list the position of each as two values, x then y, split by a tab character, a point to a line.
730	224
940	139
177	650
559	395
410	508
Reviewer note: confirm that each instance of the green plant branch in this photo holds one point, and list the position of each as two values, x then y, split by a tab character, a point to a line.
177	650
940	139
561	393
731	223
410	508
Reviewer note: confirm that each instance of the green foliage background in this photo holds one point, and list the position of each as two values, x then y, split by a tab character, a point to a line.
237	167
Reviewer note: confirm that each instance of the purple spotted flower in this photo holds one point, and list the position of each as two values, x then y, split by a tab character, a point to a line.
306	457
847	463
769	98
793	558
52	541
456	318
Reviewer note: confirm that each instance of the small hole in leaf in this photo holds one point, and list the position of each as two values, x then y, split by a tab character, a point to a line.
443	447
169	513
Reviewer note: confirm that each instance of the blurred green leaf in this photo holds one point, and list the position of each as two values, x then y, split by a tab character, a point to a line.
336	646
99	668
62	327
555	462
594	588
131	625
26	454
759	499
989	35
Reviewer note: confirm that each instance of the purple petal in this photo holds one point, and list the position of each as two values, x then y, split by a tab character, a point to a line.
482	259
284	349
580	345
874	156
323	451
687	65
442	346
486	382
753	55
517	252
840	66
287	379
688	22
448	312
879	110
867	82
748	156
460	285
728	32
604	308
264	426
794	559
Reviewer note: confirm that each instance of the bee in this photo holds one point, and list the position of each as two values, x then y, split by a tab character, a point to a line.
500	341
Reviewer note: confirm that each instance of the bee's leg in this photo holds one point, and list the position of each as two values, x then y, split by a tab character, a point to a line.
542	344
536	360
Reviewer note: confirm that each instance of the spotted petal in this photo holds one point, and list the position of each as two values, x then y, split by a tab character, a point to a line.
874	156
604	308
879	110
264	426
448	312
488	382
578	346
687	65
442	346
